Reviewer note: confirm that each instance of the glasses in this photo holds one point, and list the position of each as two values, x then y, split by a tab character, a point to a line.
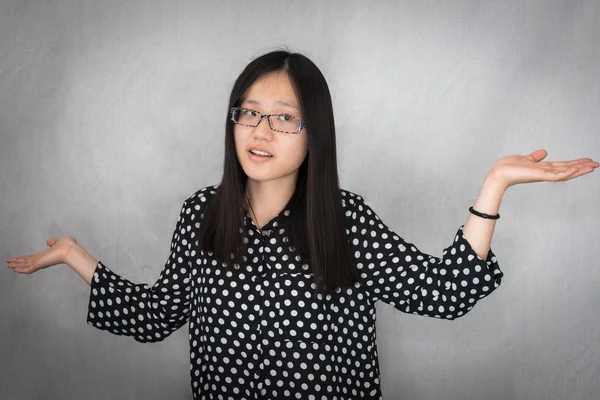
278	122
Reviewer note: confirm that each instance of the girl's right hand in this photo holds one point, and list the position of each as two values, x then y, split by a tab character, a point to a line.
56	254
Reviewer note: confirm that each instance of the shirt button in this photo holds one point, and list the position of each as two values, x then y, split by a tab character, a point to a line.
266	233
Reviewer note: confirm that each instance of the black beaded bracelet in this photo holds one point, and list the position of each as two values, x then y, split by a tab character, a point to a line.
482	215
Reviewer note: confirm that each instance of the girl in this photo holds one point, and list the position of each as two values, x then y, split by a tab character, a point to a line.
277	269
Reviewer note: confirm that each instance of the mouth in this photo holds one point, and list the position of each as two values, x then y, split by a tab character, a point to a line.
259	155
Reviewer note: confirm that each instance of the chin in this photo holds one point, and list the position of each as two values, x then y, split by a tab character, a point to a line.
266	176
261	177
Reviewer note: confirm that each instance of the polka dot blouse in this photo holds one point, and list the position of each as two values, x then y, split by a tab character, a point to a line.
263	333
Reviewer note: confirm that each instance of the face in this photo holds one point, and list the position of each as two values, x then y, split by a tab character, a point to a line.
271	94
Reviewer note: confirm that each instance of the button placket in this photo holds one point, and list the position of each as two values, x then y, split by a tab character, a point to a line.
262	342
266	232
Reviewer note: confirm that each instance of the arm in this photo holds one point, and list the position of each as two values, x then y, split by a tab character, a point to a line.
449	286
478	231
398	273
148	314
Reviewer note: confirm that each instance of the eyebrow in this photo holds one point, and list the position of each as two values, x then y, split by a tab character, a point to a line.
284	103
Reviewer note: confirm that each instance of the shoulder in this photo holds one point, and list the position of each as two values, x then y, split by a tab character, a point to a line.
356	208
199	200
202	195
351	200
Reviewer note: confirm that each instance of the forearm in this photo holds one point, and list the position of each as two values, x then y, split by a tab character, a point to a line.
82	262
478	231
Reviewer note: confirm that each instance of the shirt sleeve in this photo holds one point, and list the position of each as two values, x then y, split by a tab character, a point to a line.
148	314
399	274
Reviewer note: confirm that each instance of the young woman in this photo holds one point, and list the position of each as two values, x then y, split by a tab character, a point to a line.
277	269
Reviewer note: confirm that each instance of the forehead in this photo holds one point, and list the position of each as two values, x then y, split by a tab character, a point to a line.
274	89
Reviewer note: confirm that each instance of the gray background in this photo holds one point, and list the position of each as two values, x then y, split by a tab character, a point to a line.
111	114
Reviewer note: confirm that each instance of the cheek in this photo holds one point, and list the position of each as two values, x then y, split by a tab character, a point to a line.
304	146
238	141
300	151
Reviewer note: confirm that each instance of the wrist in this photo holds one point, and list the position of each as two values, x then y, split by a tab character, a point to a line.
494	181
81	261
69	253
493	185
490	196
75	254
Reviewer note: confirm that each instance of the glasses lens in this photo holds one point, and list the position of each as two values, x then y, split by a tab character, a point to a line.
284	122
245	116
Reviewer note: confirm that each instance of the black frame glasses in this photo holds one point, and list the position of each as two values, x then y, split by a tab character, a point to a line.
301	123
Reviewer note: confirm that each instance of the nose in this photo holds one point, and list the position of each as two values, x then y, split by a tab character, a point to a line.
263	130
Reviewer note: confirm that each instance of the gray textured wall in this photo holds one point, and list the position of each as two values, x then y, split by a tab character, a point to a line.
111	115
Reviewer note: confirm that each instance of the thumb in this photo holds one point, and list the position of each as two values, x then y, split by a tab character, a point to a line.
538	155
51	242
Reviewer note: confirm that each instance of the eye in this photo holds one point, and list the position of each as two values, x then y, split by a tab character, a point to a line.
248	112
285	117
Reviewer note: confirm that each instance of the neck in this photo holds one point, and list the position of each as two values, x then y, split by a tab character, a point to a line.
269	198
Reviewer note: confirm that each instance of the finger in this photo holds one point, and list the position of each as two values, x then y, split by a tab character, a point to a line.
16	268
21	270
20	258
593	164
571	162
537	155
21	262
12	263
17	265
557	164
559	174
17	259
559	169
581	171
574	174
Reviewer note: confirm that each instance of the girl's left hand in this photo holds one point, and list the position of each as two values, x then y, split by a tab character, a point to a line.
512	170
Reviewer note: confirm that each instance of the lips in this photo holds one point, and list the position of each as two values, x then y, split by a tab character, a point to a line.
260	152
259	155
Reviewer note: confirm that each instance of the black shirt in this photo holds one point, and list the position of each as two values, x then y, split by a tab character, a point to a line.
263	333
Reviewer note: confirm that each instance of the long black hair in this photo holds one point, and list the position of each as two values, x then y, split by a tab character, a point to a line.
316	226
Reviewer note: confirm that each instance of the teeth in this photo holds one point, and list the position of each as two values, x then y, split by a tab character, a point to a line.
260	153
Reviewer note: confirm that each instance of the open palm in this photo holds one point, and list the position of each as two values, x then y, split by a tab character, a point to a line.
515	169
56	254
